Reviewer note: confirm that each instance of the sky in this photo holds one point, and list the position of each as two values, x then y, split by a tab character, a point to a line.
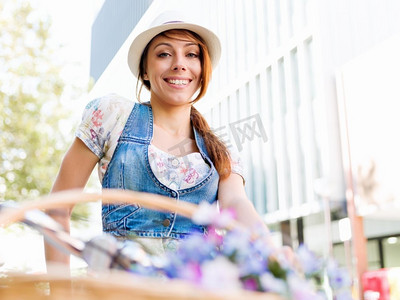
71	29
71	26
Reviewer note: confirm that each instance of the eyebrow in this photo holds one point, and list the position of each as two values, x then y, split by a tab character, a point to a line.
169	45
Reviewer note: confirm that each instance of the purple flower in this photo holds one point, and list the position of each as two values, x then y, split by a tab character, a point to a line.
214	237
302	290
192	272
251	264
309	262
260	247
196	248
206	214
339	278
250	283
235	260
225	218
236	243
220	274
271	284
343	295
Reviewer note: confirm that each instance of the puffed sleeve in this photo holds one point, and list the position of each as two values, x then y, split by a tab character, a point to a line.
237	164
92	130
103	121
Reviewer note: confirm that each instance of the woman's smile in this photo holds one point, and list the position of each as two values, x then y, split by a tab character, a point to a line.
178	82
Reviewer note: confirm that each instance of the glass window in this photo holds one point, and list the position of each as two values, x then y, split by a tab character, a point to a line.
391	250
339	254
373	255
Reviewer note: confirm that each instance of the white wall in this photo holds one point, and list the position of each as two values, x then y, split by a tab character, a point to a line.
344	30
369	91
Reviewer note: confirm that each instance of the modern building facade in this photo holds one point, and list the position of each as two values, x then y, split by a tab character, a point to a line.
112	26
276	98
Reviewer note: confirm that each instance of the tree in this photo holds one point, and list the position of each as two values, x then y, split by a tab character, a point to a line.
31	142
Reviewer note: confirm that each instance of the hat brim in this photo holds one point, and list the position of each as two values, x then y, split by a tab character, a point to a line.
140	42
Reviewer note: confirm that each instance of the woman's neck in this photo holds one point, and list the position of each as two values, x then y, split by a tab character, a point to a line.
173	131
173	120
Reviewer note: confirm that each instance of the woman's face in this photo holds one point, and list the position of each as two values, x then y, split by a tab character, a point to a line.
173	69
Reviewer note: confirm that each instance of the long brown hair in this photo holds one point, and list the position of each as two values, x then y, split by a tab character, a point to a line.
216	149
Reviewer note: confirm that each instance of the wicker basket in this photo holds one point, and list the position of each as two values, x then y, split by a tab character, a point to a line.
115	284
110	287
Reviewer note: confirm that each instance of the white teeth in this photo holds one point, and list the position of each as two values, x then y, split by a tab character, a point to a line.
178	81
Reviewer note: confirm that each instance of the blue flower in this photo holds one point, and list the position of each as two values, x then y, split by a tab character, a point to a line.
309	262
196	248
236	260
236	243
302	290
343	295
270	283
339	278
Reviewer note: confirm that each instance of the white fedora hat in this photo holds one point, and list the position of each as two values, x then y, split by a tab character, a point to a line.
167	21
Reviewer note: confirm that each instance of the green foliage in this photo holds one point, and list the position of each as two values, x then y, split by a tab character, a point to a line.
31	142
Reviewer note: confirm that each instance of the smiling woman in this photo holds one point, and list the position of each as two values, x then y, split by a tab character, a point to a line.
163	146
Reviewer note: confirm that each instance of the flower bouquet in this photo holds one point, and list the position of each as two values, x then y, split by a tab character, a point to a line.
237	259
230	262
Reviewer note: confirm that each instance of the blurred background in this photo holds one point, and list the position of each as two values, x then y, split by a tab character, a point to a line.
306	91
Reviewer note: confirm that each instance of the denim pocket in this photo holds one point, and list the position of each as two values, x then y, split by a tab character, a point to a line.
114	215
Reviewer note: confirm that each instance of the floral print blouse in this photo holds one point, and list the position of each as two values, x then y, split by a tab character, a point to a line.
102	123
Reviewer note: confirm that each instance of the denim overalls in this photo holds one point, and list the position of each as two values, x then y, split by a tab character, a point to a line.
130	169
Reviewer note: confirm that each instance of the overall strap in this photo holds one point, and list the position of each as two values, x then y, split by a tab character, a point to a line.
139	126
200	142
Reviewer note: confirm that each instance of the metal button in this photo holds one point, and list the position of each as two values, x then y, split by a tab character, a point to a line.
166	223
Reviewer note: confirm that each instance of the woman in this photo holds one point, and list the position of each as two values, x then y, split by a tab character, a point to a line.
164	146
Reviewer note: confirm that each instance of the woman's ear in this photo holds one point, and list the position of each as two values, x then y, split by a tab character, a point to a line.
145	77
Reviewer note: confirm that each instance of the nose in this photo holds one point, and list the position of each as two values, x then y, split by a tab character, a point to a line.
179	67
178	64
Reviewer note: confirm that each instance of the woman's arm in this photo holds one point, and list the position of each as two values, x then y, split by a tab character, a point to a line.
231	194
74	173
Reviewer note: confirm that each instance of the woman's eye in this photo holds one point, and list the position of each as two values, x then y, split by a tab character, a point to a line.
193	55
164	54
